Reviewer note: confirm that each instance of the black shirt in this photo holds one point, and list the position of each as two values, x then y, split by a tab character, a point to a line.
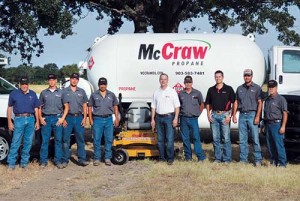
220	99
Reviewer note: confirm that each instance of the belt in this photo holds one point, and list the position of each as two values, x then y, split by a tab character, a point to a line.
165	115
24	115
273	121
189	116
102	116
246	112
219	111
51	115
74	114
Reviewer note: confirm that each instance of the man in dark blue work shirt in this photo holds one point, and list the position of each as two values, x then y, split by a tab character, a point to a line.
102	104
52	112
275	116
219	100
191	106
24	104
75	120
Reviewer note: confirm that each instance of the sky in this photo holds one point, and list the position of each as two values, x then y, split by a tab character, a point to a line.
72	50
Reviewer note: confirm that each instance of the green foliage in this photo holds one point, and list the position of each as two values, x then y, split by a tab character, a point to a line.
22	20
37	74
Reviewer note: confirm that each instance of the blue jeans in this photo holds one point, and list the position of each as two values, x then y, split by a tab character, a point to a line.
189	125
246	123
46	135
275	144
23	128
74	124
221	137
165	133
103	126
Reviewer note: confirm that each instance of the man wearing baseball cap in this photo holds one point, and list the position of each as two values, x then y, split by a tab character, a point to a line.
249	104
24	103
75	120
191	107
275	116
52	112
102	104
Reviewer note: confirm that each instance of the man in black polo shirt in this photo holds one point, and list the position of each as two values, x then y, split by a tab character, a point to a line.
102	104
275	115
218	101
75	120
248	102
24	103
191	106
52	112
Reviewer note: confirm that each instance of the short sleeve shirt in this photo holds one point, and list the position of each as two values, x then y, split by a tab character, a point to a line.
248	96
23	103
52	102
103	105
274	107
165	101
220	99
190	103
75	99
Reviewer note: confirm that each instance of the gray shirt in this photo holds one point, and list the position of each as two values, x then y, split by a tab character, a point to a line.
103	105
190	103
52	102
75	99
248	96
274	107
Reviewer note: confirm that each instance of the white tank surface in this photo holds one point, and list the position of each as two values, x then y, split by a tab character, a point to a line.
132	62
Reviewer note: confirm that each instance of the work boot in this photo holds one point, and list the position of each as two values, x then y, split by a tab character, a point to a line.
96	163
107	162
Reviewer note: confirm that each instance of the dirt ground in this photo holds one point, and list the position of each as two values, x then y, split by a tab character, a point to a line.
80	183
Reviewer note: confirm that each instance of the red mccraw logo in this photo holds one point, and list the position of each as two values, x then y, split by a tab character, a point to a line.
183	49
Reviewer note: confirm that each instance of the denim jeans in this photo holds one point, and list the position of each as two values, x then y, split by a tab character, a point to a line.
246	124
103	126
46	135
221	137
165	133
74	124
189	126
23	128
275	144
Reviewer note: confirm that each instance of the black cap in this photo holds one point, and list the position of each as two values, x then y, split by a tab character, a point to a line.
52	76
24	80
272	84
102	81
75	75
188	79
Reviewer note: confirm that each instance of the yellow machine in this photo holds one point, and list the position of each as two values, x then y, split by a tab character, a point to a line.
135	139
134	144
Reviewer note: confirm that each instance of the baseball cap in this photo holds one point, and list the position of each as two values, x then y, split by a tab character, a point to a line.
248	72
75	75
24	80
272	83
188	79
52	76
102	81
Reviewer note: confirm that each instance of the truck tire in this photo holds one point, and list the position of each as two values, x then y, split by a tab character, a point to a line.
5	141
120	156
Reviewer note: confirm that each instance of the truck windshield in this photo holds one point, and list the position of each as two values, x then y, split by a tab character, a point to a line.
6	87
291	61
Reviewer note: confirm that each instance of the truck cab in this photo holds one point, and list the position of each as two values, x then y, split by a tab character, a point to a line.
284	67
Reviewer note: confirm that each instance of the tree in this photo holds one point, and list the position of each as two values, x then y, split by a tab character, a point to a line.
21	20
67	70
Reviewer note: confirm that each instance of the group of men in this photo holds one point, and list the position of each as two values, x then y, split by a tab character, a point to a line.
60	112
222	105
65	111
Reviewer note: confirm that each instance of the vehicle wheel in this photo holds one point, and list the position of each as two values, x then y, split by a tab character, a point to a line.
5	140
120	157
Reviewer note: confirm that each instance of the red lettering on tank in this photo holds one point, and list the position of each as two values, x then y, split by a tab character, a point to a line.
169	51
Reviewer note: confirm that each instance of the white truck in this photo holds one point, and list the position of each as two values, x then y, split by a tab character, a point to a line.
132	64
